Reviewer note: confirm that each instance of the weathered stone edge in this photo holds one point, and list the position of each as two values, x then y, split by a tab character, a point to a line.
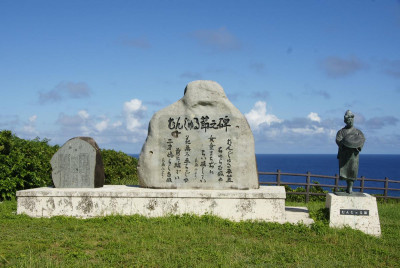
264	192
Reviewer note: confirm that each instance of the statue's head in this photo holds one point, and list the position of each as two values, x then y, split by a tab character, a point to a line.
349	118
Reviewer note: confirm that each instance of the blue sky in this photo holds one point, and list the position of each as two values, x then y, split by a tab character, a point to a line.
102	68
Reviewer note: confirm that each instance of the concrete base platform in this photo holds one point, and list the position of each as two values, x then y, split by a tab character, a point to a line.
357	212
264	204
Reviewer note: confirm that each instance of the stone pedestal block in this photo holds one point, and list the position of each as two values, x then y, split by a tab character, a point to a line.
265	204
358	212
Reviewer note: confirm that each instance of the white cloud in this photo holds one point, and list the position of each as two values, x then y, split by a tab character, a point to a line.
103	125
134	112
30	127
127	128
117	124
307	130
314	117
83	114
258	115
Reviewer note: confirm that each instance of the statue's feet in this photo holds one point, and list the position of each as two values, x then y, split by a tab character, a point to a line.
349	191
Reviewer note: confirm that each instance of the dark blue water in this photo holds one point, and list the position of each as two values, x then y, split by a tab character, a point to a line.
372	166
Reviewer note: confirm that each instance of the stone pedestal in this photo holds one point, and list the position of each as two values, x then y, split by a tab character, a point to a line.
265	204
359	212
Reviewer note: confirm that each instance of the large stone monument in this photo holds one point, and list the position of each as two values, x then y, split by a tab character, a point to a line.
202	141
198	159
78	164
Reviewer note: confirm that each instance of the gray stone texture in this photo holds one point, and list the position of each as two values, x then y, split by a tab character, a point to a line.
202	141
78	164
264	204
368	224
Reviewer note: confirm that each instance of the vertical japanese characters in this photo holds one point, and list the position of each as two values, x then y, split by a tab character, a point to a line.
215	150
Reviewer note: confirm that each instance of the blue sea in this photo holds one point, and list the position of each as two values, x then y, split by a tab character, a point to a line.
372	166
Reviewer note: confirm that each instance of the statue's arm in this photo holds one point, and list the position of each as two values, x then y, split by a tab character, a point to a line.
339	138
360	133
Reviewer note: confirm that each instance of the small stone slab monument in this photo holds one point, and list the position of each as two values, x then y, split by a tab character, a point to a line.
202	141
78	164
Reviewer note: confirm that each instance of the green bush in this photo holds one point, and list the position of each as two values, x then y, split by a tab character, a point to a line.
119	168
302	198
24	164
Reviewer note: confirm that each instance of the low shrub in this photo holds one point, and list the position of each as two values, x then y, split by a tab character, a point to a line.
25	164
302	197
119	168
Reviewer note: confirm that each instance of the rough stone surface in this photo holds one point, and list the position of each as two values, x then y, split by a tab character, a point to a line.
78	164
201	141
352	211
265	204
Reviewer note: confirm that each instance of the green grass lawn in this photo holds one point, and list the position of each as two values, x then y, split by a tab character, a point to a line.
187	241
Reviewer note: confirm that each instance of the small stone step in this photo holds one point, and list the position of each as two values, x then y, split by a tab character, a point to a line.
298	215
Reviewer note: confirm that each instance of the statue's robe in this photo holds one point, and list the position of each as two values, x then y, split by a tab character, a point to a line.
350	142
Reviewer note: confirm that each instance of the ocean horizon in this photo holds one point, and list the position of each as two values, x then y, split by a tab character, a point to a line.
371	166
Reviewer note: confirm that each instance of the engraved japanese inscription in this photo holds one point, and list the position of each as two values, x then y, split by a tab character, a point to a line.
354	212
199	149
202	141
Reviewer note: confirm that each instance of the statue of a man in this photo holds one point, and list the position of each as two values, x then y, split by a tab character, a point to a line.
350	141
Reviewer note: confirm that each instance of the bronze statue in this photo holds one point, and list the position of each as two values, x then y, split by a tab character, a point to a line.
350	141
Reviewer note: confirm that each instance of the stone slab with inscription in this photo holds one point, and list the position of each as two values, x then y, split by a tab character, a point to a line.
78	164
202	141
357	212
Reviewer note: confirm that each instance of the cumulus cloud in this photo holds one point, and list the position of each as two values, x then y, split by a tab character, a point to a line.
102	125
133	112
127	129
258	116
314	134
314	117
140	42
307	134
83	114
29	128
219	39
336	67
65	90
